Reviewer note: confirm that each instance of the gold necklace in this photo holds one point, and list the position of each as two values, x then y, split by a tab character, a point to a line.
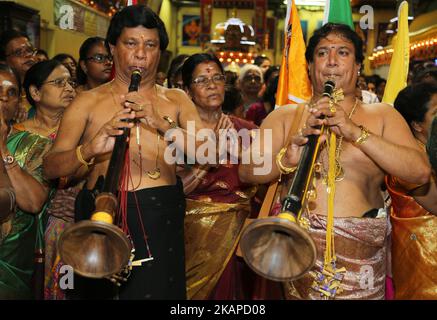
45	132
339	171
155	173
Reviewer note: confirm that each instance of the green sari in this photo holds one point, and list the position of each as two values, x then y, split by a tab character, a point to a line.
24	230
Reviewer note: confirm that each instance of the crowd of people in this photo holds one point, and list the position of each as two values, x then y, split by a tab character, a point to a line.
59	120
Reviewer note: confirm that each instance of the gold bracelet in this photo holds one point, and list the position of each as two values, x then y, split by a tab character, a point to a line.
81	159
365	134
171	122
283	169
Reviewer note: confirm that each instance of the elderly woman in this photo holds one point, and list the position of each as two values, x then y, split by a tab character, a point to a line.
23	194
217	202
250	83
50	89
95	64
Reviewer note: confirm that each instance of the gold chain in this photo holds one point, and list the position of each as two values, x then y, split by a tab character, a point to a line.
339	171
152	174
45	132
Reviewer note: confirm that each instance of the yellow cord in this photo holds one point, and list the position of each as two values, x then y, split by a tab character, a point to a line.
330	250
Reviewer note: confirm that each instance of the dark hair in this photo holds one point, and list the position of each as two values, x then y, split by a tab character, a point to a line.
232	100
43	52
84	50
6	68
424	73
230	78
6	37
61	57
270	93
259	60
175	68
191	63
36	76
413	101
269	73
134	16
340	29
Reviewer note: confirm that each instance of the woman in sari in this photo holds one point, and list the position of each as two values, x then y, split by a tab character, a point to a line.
50	89
25	194
413	207
217	202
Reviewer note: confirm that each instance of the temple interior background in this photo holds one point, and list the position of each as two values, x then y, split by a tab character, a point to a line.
200	25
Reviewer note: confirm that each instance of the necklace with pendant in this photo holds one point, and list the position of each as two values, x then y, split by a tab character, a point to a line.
152	174
339	171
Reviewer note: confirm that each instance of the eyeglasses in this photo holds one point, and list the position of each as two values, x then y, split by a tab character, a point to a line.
205	81
62	82
100	58
252	78
24	52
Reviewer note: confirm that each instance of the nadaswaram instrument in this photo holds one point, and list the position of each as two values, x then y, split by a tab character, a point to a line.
278	248
97	248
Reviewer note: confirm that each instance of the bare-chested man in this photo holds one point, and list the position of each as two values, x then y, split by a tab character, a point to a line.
383	144
136	37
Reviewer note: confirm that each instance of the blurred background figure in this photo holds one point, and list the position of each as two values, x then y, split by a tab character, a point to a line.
174	74
263	62
41	55
233	102
249	82
17	51
161	77
69	62
363	94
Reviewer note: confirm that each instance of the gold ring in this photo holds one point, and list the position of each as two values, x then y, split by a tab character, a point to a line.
140	107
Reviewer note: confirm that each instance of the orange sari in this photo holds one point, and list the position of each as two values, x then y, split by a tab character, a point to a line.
414	245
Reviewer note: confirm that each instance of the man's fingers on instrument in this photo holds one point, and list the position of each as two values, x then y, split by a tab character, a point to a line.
313	121
124	111
309	131
114	132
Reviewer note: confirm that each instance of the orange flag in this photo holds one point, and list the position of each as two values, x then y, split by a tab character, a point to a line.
294	85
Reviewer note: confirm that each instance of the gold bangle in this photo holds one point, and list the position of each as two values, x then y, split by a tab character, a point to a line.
365	134
81	159
171	122
283	169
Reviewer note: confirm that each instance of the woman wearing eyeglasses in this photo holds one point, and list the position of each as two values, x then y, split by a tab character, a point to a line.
23	194
95	64
217	202
50	89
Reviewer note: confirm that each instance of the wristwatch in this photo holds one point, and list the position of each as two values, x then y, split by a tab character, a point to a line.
8	160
